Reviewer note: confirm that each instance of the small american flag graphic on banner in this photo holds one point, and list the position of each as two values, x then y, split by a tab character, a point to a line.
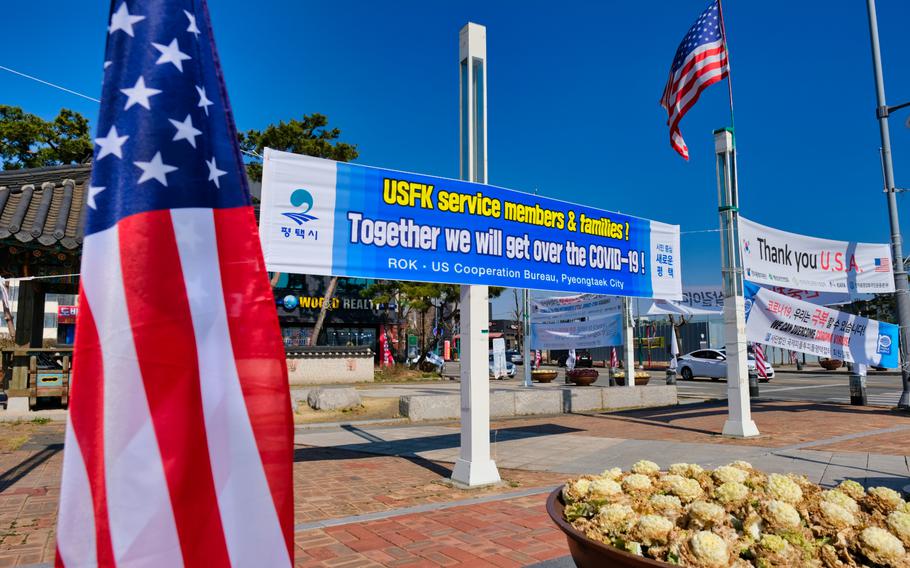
883	264
178	445
700	61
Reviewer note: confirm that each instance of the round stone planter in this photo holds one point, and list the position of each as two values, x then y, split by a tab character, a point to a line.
830	364
543	376
583	377
587	553
641	378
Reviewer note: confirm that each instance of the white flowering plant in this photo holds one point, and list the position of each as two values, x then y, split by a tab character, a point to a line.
737	516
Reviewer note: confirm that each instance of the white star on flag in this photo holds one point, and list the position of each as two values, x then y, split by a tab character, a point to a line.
185	130
92	193
139	94
155	169
214	172
204	101
123	20
171	53
193	28
111	144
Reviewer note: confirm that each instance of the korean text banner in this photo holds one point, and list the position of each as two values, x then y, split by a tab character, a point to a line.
782	321
779	258
709	300
566	308
696	300
332	218
600	332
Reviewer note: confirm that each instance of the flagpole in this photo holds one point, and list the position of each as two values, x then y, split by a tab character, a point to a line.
723	35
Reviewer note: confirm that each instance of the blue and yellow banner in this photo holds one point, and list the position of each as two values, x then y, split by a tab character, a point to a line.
331	218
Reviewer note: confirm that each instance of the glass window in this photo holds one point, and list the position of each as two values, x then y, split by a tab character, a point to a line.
296	336
50	320
350	337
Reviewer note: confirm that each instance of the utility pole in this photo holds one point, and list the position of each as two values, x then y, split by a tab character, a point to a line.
900	276
526	337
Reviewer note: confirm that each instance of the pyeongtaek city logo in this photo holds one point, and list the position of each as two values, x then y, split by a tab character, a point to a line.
302	201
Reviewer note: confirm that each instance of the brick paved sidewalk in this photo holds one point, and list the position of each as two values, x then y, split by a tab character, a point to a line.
347	489
516	532
781	423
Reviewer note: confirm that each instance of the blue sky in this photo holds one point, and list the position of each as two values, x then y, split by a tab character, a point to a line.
573	97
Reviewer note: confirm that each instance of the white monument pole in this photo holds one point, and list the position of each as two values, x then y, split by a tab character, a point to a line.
628	341
739	414
474	466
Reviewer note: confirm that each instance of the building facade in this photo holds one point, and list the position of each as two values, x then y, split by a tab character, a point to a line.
352	320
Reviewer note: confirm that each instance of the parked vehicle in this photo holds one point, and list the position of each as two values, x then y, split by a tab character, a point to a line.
514	356
432	363
712	363
510	368
582	359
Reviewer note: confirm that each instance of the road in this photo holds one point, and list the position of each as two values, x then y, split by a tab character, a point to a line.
881	389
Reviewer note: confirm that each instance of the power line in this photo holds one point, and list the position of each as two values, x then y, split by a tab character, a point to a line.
78	94
54	85
701	231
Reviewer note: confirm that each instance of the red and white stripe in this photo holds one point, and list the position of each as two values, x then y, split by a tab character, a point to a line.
614	360
702	68
760	361
180	436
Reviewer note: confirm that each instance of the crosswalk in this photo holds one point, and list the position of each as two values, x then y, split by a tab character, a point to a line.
879	399
698	391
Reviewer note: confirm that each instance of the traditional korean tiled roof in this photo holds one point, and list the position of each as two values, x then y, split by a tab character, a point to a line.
44	205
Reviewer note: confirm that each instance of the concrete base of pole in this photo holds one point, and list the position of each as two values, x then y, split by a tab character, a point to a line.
671	377
740	429
858	390
475	473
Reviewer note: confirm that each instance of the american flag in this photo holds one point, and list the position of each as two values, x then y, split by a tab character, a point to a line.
700	61
883	264
760	361
179	437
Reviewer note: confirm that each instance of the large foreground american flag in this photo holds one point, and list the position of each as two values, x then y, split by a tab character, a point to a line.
179	441
700	61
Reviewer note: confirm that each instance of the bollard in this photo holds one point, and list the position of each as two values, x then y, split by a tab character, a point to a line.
858	385
671	376
753	383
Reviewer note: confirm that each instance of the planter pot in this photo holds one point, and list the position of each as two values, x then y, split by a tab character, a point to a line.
582	377
641	378
830	364
587	553
543	376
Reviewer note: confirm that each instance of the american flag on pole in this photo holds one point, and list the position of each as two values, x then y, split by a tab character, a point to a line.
760	361
179	437
700	61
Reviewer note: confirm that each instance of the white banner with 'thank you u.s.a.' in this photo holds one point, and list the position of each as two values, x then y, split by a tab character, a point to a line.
778	258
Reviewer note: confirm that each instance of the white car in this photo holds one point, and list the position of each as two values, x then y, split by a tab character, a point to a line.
712	363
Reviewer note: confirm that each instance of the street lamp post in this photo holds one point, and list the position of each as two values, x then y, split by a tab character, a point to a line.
900	276
739	412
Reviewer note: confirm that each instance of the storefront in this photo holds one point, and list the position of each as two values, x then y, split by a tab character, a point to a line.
351	320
